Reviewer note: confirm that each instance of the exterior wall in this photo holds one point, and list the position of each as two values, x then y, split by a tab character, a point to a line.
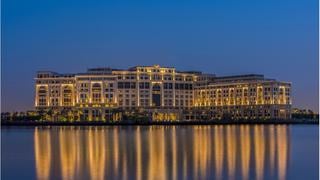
54	91
252	99
101	92
138	87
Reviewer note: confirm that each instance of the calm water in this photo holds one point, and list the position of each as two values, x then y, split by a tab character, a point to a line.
161	152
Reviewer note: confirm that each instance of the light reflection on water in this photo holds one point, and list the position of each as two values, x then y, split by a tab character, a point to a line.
162	152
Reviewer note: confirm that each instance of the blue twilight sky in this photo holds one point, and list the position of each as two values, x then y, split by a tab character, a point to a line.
277	38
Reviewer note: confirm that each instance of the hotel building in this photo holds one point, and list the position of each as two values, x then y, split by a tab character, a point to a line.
162	93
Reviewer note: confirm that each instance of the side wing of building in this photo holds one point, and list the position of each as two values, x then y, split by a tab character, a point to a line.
245	97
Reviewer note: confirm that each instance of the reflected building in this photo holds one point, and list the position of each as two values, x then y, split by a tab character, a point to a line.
69	143
138	154
160	152
157	153
174	153
219	150
42	149
201	151
96	143
272	147
231	151
115	151
245	144
282	151
259	149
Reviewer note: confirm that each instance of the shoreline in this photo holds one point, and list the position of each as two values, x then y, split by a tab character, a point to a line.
151	123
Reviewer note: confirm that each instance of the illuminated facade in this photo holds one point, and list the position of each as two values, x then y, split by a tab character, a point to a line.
163	92
246	96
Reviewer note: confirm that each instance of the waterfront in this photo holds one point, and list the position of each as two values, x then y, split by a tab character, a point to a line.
161	152
159	93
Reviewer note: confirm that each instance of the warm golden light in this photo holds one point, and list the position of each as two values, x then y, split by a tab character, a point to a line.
157	150
245	147
174	153
69	153
96	140
202	151
162	152
272	147
133	89
219	150
259	149
138	154
42	149
282	147
231	151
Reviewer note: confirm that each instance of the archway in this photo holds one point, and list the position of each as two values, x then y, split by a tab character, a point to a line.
156	95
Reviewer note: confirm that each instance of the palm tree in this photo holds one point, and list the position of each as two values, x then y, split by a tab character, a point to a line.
49	114
63	114
70	115
55	114
41	114
76	114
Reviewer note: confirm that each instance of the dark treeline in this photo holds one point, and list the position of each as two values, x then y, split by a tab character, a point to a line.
40	118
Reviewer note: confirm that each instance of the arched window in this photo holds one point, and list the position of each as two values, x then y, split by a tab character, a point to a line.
67	95
42	90
156	87
96	87
96	93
